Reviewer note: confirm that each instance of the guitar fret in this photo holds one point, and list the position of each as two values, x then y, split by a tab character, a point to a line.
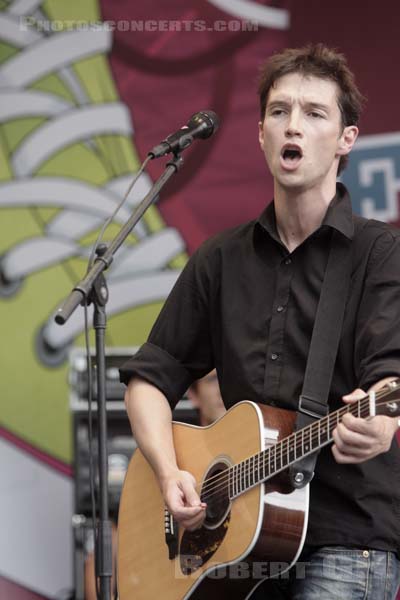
279	447
278	456
307	443
291	450
287	453
257	469
322	432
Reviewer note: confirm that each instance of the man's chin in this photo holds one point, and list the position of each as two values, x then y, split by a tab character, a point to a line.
291	181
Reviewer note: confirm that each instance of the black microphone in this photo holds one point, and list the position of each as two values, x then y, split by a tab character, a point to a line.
200	125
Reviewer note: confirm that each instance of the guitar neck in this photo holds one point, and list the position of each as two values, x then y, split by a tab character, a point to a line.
262	466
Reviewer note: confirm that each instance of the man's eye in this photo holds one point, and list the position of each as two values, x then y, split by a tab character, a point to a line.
316	115
277	111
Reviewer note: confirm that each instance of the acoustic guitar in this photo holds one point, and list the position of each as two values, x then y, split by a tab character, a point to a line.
255	522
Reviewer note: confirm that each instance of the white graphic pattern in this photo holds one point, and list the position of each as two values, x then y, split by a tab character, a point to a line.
141	273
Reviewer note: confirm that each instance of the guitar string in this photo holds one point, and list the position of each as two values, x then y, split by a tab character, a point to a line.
221	480
353	408
245	477
265	456
292	435
350	408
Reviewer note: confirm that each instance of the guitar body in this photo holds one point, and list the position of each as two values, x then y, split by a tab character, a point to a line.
242	542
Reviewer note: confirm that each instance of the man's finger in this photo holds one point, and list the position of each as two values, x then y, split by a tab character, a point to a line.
343	436
191	496
184	513
194	523
356	394
343	458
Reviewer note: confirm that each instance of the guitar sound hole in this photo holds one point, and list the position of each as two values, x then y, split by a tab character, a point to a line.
215	492
197	547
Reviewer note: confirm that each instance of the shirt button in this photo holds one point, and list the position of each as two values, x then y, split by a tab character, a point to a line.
274	356
365	553
280	308
288	261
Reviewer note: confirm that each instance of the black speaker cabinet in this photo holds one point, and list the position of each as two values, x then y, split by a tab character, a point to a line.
120	442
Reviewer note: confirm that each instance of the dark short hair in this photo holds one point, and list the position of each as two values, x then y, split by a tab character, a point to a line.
319	61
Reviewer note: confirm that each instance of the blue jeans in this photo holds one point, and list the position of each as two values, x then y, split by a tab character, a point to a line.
336	573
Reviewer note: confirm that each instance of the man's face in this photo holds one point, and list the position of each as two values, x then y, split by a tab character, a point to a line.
302	135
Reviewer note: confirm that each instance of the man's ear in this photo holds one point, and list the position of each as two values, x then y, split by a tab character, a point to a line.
347	140
261	135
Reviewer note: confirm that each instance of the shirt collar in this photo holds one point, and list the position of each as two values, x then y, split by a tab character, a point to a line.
339	215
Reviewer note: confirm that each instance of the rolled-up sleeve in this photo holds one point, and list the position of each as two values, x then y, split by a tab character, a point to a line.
377	344
178	349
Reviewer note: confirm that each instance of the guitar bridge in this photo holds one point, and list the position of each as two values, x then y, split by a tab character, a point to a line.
171	534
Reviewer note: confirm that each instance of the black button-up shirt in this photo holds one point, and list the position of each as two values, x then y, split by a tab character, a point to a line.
245	305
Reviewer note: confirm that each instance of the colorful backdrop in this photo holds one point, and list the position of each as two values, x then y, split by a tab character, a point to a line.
86	89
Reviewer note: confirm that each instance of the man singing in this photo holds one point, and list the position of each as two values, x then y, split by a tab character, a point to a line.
246	303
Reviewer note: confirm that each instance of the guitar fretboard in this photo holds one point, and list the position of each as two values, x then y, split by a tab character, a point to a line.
264	465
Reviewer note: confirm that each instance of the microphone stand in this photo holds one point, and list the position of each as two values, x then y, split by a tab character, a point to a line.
93	288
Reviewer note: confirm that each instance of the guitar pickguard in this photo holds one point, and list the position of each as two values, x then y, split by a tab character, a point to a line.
197	547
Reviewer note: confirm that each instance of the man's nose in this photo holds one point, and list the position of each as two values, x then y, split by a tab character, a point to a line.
294	126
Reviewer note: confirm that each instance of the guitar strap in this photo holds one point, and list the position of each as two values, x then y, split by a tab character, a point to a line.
313	401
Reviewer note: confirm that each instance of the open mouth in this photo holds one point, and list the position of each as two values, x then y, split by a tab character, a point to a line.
291	156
